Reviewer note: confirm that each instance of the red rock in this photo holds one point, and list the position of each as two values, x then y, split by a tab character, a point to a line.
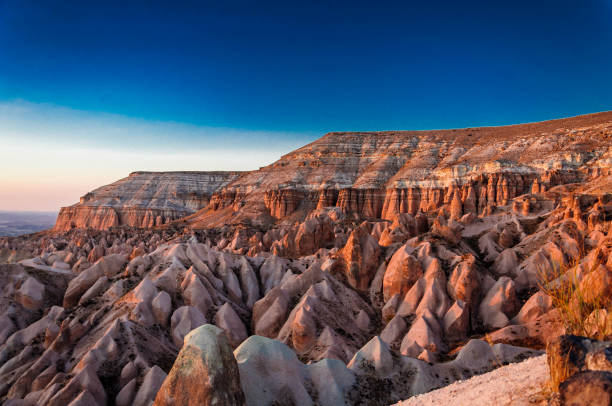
464	283
402	272
358	259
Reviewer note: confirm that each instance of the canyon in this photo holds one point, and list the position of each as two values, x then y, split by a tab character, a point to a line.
361	269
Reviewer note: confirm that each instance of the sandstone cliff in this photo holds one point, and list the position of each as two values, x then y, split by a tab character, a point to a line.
381	174
143	199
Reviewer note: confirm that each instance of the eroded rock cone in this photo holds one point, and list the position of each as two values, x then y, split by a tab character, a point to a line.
359	257
204	373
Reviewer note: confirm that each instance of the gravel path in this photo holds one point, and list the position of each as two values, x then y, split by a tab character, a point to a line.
516	384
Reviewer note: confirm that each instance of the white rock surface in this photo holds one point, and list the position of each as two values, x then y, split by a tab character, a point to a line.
514	384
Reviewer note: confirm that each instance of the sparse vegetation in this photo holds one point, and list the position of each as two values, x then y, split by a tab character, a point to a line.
559	370
489	340
583	309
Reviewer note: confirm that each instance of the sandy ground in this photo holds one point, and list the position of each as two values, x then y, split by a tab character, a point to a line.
516	384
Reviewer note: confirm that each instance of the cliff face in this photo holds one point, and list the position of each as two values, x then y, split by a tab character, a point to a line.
381	174
367	175
143	199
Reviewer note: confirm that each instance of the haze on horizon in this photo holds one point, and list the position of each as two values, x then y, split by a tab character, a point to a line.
91	92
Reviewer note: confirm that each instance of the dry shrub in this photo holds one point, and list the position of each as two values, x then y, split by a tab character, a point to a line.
559	369
584	307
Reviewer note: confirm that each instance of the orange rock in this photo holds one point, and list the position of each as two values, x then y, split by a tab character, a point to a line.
401	273
358	259
204	373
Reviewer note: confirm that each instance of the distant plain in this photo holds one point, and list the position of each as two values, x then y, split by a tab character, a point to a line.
14	223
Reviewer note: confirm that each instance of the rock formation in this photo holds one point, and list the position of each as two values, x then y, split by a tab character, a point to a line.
361	266
381	174
204	373
143	199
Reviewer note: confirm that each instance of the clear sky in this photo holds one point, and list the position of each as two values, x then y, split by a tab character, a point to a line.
92	90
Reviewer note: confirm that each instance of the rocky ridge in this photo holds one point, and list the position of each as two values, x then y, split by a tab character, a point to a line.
143	199
382	174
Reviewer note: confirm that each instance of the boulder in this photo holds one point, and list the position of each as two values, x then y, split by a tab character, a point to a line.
31	294
229	278
272	272
270	313
204	373
537	305
84	399
312	234
375	353
434	299
303	328
506	263
465	282
403	227
248	283
390	308
588	388
575	350
271	374
424	333
125	397
107	266
597	285
363	321
95	290
95	254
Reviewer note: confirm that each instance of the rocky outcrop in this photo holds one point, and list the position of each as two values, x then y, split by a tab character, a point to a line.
143	199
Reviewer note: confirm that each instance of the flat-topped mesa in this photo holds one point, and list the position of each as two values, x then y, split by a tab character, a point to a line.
381	174
143	199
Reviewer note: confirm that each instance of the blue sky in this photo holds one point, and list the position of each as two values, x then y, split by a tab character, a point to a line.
222	85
